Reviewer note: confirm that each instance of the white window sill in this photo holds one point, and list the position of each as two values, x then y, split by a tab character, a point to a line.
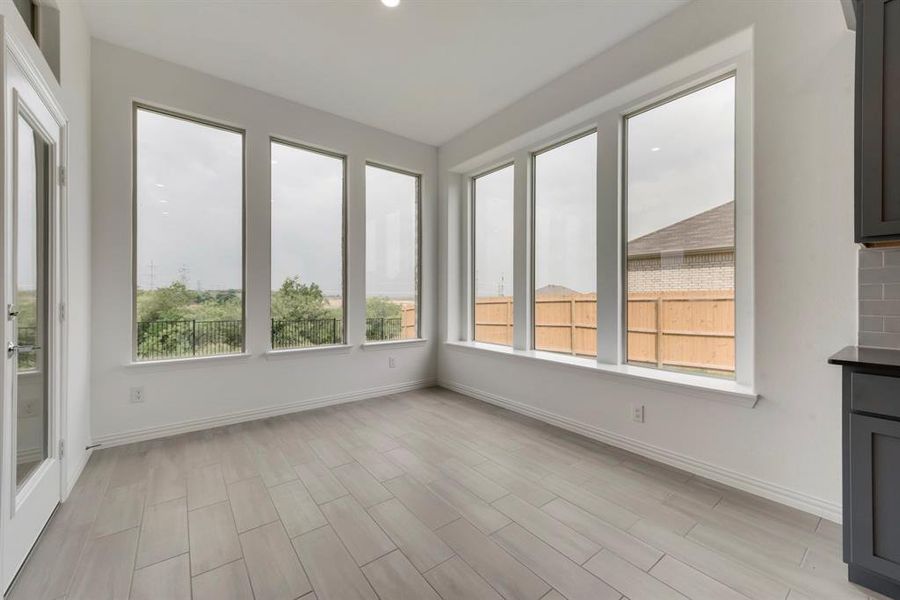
709	388
394	344
194	361
295	352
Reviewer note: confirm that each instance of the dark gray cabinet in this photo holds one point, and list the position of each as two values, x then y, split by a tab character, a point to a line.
877	186
875	494
871	457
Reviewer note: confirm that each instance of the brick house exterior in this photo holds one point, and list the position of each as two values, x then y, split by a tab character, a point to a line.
694	254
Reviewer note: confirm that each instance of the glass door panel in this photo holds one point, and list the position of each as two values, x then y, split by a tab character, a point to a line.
31	389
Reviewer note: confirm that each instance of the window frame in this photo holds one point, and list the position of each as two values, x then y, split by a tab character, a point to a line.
136	107
643	108
609	123
473	295
418	252
532	234
274	139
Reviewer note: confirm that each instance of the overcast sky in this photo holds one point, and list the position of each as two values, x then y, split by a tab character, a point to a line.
189	197
680	158
390	234
307	209
680	162
565	213
26	233
494	233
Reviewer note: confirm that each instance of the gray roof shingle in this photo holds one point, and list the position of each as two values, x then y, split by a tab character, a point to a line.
707	231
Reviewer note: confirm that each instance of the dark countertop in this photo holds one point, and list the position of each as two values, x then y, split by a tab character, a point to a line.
866	357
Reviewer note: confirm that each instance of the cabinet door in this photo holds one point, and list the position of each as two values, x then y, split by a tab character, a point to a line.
878	120
875	490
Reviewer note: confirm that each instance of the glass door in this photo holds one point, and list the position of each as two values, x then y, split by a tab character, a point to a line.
32	285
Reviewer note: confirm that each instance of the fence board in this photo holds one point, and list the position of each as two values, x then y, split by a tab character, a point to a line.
688	329
408	321
494	320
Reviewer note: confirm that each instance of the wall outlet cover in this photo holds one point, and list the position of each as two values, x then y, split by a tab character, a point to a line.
637	414
137	394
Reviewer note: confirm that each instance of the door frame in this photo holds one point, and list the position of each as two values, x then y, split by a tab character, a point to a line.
21	49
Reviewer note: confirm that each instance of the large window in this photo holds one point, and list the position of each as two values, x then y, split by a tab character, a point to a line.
565	247
681	234
307	247
392	254
188	260
492	204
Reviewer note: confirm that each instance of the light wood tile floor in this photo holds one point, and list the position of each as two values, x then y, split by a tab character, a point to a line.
423	495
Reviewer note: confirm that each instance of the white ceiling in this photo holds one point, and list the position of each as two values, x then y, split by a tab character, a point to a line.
427	70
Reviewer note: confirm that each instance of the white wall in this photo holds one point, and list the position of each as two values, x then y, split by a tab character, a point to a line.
202	394
789	446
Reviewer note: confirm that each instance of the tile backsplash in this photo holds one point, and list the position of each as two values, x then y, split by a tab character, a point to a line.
879	297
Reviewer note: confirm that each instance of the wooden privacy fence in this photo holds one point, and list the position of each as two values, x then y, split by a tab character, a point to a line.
692	329
408	322
684	329
494	320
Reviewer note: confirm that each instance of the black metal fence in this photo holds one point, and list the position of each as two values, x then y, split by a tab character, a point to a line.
383	329
182	339
306	332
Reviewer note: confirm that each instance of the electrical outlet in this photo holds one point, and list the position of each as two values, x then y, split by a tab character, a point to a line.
392	362
137	394
637	414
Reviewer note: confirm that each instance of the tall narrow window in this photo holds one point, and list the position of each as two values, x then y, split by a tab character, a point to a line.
188	262
565	247
681	252
392	255
307	247
492	208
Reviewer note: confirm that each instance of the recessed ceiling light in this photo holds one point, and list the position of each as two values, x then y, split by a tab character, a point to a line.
160	185
391	3
654	149
274	162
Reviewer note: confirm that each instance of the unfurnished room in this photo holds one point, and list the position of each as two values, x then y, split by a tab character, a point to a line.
450	300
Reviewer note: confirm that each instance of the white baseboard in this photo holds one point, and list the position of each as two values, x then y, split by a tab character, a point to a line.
161	431
777	493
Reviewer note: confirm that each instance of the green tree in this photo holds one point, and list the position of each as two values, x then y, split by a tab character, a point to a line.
176	321
302	317
296	301
383	318
170	303
218	305
379	307
168	320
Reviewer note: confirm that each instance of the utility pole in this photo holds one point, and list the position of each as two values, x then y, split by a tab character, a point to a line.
152	274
